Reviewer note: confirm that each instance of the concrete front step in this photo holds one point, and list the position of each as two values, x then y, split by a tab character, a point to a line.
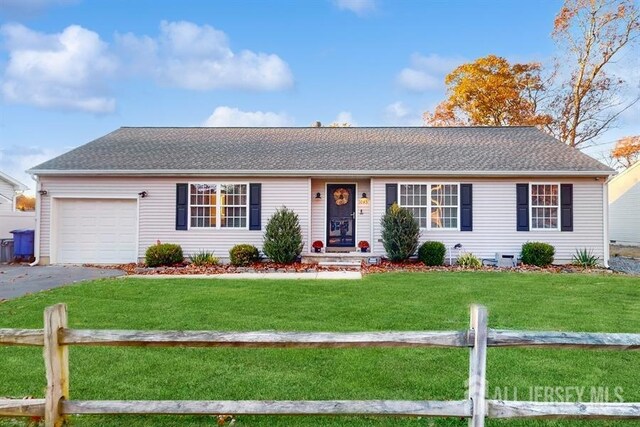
355	258
350	264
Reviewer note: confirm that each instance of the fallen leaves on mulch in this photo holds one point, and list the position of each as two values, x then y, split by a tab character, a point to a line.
259	267
383	267
417	266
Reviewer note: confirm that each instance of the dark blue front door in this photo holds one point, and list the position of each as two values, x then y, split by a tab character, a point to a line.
341	215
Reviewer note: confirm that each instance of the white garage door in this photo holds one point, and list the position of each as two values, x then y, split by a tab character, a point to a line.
95	231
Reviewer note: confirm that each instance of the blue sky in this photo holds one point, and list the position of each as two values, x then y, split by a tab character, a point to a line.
73	70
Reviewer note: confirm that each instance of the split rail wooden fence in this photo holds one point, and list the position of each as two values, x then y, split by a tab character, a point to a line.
56	337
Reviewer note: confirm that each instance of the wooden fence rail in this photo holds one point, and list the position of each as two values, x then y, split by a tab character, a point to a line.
56	337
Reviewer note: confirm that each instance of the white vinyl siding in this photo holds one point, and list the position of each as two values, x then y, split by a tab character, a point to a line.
494	219
8	192
624	202
157	211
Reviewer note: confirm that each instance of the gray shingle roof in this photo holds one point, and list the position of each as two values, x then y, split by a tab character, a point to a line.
484	150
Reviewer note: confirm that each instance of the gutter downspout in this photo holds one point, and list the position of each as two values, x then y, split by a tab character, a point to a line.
605	221
36	238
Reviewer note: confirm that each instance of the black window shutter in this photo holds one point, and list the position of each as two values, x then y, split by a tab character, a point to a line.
255	206
566	207
182	205
522	205
391	194
466	207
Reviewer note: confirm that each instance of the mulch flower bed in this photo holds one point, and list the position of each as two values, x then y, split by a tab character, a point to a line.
259	267
417	266
383	267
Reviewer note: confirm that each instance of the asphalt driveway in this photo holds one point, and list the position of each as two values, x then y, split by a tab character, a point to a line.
18	280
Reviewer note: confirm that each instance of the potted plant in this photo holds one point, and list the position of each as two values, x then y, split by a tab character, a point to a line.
363	245
318	245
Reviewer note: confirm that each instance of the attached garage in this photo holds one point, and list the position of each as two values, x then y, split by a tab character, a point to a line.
94	231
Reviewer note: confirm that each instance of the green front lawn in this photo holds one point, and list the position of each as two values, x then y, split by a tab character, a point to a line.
399	301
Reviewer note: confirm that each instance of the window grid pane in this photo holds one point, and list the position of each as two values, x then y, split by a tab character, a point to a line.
544	206
203	205
444	206
414	198
233	203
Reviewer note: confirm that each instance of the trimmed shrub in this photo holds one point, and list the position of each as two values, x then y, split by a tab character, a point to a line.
537	253
163	254
283	237
432	253
400	233
469	260
243	255
585	258
204	258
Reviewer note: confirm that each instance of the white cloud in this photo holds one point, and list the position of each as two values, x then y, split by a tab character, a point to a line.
233	117
359	7
14	161
345	117
190	56
398	114
427	73
66	70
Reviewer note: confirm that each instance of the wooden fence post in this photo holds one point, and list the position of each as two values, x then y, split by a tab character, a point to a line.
56	360
478	366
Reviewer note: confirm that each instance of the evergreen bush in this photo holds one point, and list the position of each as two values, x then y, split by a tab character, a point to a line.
283	237
400	233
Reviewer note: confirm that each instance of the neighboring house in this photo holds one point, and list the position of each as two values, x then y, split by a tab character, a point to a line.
624	207
10	188
488	188
10	218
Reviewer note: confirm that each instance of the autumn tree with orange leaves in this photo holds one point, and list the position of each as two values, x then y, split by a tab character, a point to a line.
491	92
25	203
627	151
589	99
576	101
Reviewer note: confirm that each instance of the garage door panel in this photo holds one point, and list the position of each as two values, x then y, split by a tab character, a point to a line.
100	231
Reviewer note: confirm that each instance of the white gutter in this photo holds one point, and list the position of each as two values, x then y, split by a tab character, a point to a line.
36	237
300	172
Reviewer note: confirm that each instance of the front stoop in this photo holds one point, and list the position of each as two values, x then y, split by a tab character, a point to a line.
345	259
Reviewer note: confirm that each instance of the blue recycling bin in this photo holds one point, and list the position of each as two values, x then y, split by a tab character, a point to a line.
23	243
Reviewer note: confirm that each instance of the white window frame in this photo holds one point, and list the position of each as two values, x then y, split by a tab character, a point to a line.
558	218
429	205
218	206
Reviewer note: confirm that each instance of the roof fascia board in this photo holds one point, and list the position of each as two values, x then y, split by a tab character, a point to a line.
16	184
182	172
